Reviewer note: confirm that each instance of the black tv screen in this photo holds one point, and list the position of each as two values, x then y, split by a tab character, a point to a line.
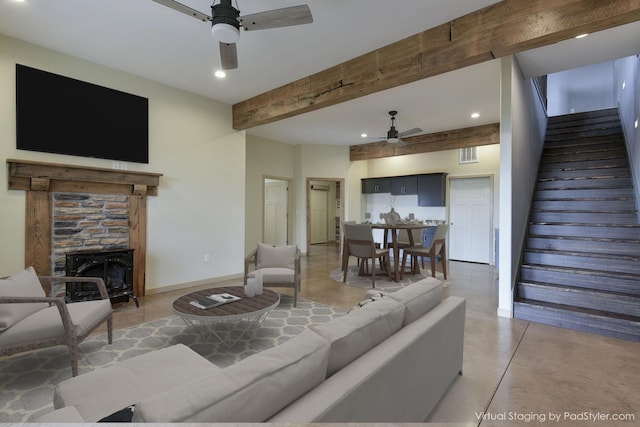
58	114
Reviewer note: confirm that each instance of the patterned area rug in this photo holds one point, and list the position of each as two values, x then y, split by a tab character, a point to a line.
382	280
28	379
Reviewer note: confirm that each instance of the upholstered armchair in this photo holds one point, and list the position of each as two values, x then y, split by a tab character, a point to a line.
278	264
31	320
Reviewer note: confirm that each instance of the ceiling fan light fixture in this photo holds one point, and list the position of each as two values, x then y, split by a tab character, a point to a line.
225	33
393	140
225	26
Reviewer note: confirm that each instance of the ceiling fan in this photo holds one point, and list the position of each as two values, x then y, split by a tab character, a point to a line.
226	22
395	137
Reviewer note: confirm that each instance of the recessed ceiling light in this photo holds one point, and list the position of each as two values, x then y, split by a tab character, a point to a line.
475	115
220	74
363	135
581	36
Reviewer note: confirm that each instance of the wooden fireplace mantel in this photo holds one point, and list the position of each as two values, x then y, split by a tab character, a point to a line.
54	177
40	180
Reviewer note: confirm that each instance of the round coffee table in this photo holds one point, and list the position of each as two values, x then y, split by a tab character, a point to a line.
247	313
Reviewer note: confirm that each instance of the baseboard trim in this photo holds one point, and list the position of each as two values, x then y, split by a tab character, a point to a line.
212	281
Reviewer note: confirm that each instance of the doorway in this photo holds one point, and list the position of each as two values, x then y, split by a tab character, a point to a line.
471	219
276	211
324	210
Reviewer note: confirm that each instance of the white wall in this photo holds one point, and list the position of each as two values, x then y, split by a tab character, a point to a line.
200	205
522	128
586	88
264	158
316	161
627	88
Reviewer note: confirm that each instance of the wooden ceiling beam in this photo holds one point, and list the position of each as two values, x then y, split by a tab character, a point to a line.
448	140
502	29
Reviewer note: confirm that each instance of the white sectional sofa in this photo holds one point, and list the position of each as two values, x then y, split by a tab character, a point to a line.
390	360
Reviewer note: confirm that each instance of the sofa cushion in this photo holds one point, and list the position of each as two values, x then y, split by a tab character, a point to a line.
277	275
275	256
359	331
103	391
22	284
68	414
47	323
419	298
251	390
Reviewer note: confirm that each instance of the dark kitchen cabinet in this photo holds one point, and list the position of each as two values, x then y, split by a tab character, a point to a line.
375	185
404	185
432	189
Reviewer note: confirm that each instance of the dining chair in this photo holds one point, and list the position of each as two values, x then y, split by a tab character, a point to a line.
437	249
360	244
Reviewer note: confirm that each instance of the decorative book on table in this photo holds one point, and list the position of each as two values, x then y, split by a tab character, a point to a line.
214	300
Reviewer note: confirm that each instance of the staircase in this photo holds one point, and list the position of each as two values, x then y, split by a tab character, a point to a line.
581	261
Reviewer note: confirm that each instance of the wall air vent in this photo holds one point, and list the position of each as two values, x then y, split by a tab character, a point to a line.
469	155
320	187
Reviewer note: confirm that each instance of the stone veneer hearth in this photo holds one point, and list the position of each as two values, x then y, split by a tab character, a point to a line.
83	222
87	222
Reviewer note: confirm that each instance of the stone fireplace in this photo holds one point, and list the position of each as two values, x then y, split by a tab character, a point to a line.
54	195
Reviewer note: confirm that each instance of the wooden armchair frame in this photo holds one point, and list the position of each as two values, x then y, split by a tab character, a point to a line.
71	337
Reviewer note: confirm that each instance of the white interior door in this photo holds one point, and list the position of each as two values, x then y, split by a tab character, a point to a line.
319	216
470	219
276	193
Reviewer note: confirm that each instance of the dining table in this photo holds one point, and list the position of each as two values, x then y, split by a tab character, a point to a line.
394	228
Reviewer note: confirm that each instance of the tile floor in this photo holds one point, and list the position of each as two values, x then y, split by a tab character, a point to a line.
515	372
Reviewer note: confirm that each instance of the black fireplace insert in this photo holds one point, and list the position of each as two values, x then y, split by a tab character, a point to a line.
114	266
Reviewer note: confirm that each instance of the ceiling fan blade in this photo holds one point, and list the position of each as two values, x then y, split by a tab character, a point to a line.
184	9
276	18
410	132
400	143
228	56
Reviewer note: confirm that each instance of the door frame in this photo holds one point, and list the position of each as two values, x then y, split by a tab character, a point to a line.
491	209
339	181
289	205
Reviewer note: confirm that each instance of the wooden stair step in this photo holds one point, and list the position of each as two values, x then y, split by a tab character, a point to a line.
581	319
590	218
617	153
585	147
586	164
584	183
597	232
579	134
617	173
599	205
594	262
599	129
581	144
605	281
585	245
612	302
583	115
572	121
584	193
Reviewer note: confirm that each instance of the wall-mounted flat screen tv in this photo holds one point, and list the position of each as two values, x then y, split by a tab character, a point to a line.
58	114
